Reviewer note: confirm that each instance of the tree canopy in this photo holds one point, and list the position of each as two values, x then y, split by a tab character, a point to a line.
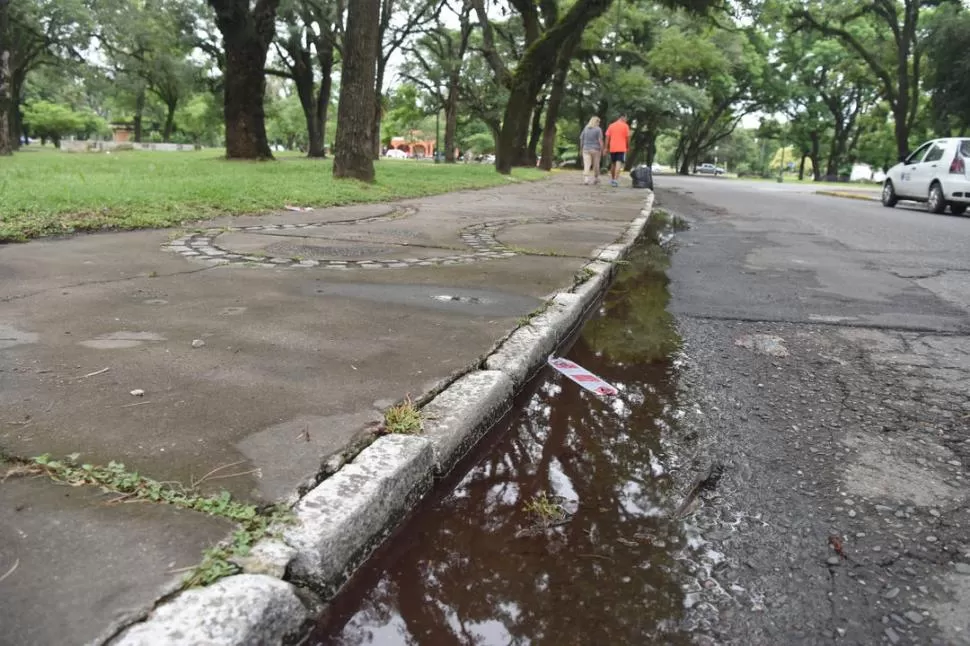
856	81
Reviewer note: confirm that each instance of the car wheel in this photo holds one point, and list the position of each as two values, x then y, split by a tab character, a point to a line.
889	198
958	209
936	203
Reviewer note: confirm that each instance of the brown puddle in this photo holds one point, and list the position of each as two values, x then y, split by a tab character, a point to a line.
473	566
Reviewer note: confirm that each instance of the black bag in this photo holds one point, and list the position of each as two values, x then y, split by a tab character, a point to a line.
642	177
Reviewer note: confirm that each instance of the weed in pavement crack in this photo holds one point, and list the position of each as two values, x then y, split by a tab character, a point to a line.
217	562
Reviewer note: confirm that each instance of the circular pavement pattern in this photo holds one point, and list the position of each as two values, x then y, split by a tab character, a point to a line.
202	246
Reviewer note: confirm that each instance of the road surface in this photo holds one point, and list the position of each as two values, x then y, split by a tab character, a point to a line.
828	366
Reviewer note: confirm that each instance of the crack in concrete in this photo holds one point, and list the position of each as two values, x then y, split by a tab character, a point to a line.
110	281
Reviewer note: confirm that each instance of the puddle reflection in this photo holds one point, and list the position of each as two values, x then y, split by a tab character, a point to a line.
471	567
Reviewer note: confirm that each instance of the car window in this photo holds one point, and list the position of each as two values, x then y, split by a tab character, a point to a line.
935	154
917	156
965	148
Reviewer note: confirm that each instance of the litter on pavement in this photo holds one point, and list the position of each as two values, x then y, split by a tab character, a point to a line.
582	376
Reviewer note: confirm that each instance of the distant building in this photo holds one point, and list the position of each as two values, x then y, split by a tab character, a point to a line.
121	132
415	145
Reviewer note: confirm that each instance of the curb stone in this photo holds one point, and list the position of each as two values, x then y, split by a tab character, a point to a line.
459	416
241	610
849	195
343	519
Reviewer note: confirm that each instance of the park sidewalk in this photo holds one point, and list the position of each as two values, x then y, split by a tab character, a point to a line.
254	355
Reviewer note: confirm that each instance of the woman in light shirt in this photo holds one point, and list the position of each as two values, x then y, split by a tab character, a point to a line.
591	145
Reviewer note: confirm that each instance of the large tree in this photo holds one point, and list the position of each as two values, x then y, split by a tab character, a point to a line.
547	30
149	51
399	21
435	64
41	33
887	35
308	50
948	77
354	156
246	35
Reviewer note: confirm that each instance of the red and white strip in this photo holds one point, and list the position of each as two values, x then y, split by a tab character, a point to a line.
583	377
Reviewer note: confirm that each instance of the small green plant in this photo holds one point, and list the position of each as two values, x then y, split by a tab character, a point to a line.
531	316
544	509
583	275
253	523
528	251
404	419
153	274
660	219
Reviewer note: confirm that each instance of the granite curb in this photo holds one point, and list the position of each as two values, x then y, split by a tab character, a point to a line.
342	520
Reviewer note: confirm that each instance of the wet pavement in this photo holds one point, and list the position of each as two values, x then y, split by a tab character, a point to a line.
228	358
477	564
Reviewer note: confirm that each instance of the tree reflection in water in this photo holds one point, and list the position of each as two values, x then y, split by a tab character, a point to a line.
458	574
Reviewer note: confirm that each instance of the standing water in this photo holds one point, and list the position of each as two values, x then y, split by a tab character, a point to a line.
558	530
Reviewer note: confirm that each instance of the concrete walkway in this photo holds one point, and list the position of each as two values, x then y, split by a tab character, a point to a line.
260	352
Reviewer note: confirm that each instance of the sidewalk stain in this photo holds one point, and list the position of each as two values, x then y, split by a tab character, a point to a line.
560	529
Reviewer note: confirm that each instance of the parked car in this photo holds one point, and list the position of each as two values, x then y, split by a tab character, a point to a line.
709	169
394	153
937	173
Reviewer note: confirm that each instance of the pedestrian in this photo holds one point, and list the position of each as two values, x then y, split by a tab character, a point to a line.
617	143
591	146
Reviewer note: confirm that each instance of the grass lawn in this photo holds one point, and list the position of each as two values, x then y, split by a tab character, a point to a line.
46	192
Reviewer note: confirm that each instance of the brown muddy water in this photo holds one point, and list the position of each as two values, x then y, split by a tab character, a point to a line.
558	529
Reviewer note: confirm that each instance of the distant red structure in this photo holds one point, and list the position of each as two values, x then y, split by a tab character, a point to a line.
414	144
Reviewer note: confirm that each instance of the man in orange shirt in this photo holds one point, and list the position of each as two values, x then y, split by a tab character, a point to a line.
618	143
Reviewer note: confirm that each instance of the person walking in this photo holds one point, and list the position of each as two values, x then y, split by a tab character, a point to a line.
591	146
618	144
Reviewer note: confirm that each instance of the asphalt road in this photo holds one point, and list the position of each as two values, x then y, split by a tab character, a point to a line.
801	256
827	366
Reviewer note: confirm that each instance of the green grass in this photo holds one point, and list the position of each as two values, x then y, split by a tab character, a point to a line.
403	419
46	192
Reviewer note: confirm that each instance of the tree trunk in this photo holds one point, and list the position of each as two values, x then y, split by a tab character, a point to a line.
355	123
515	123
379	103
245	88
529	156
816	146
326	89
684	166
246	35
139	110
451	116
302	72
552	108
16	117
651	147
801	167
169	122
6	104
901	131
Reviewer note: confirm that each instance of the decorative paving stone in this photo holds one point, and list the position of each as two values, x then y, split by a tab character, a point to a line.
479	237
